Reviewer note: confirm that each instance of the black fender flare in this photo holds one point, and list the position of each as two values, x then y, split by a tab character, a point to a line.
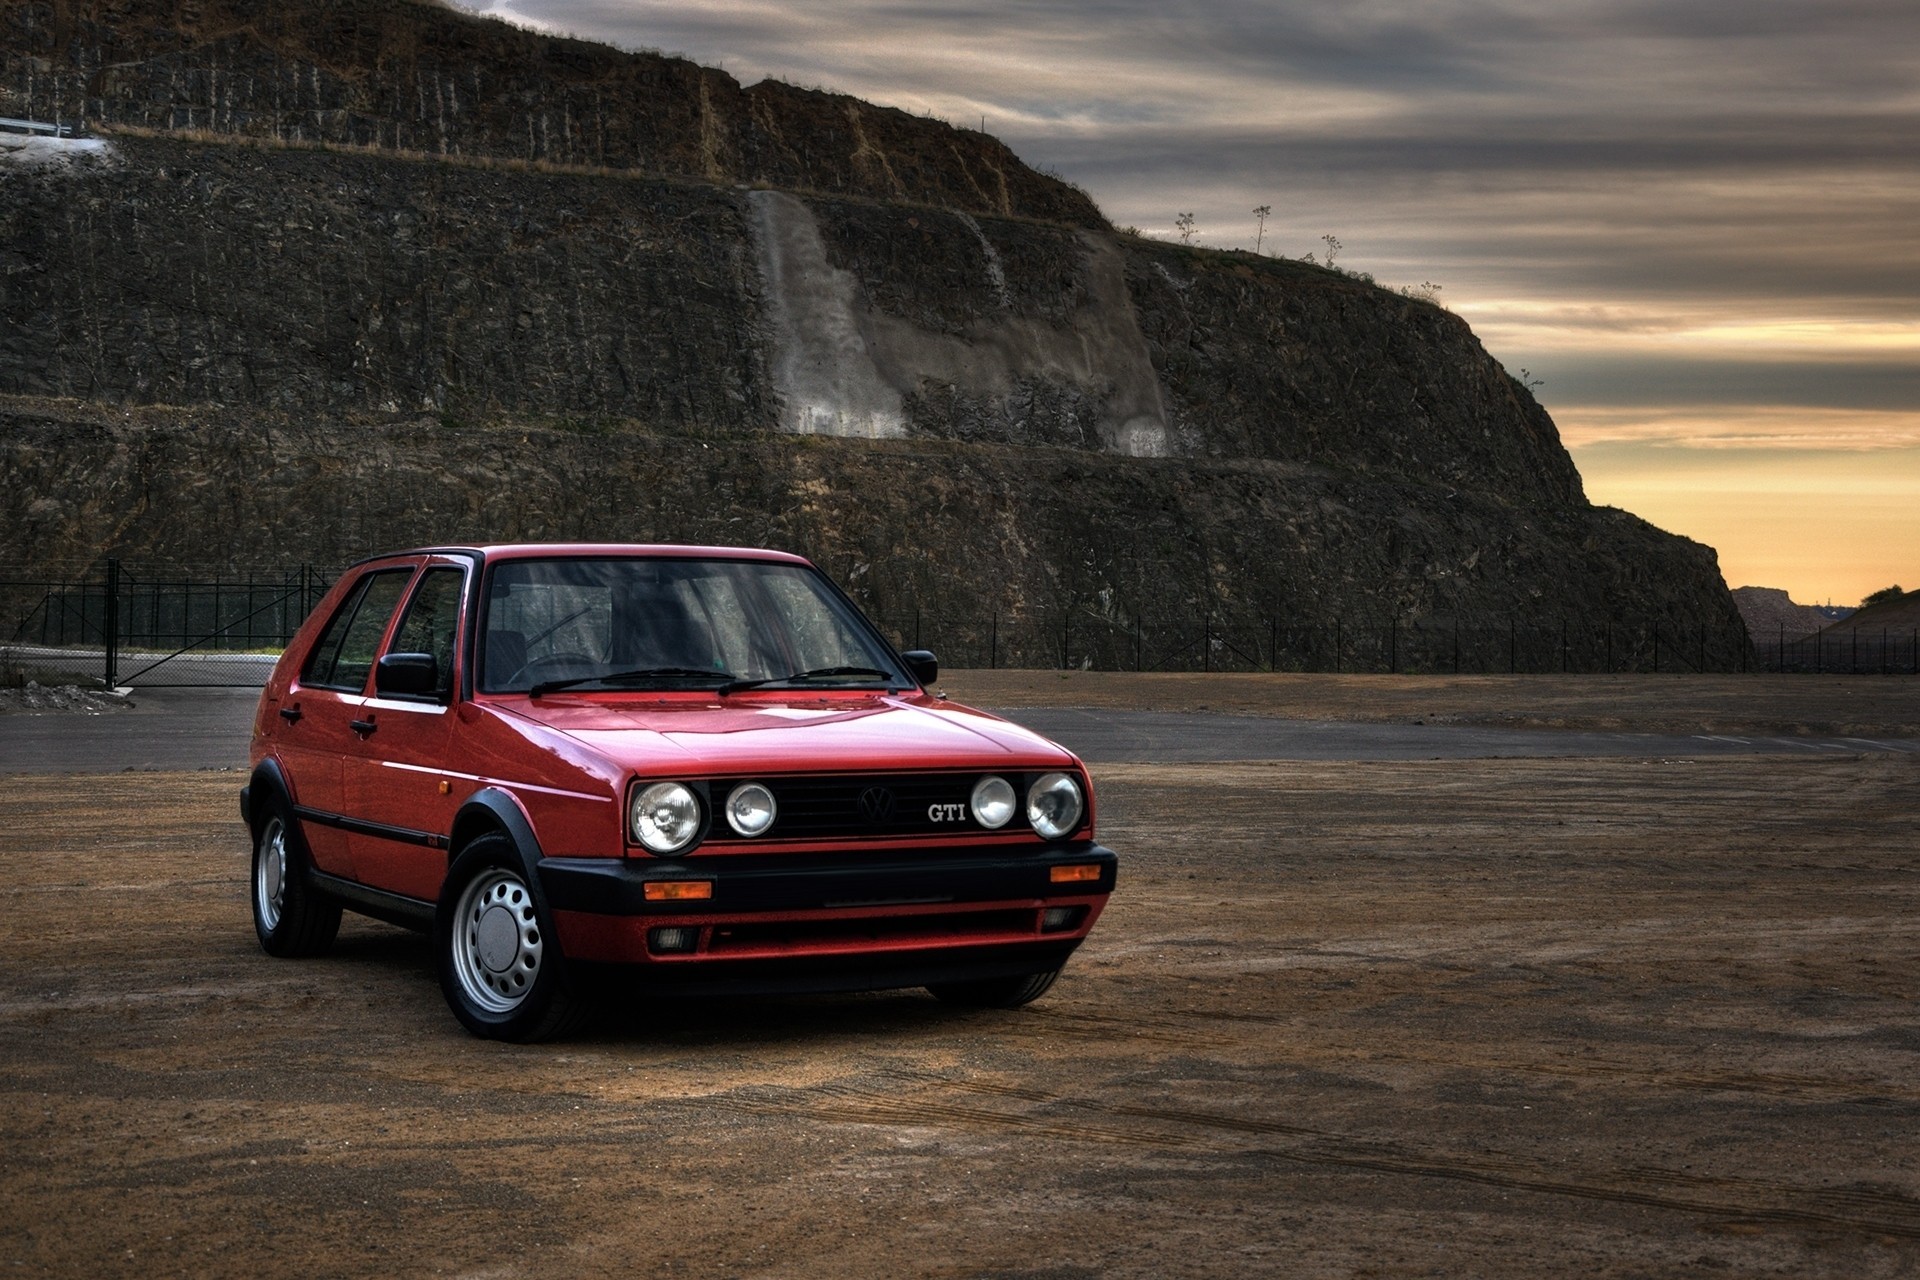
492	809
266	787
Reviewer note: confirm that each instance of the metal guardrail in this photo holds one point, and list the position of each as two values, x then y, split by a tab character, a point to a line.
34	126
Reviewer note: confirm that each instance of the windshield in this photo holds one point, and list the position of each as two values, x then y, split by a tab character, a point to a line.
658	623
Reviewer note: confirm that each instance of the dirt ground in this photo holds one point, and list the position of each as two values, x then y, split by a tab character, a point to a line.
1501	1018
1862	706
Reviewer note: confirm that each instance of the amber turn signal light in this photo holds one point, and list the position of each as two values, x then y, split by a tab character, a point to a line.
1074	874
677	890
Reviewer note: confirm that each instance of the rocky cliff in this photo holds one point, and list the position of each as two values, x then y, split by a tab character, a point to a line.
242	347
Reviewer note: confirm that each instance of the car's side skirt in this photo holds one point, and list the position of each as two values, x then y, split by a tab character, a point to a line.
394	908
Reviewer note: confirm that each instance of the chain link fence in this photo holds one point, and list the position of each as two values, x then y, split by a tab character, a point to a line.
1419	645
126	627
120	628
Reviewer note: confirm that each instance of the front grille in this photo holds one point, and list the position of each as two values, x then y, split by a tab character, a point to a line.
851	806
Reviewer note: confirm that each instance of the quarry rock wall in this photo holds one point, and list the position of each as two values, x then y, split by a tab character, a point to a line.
955	530
974	403
175	272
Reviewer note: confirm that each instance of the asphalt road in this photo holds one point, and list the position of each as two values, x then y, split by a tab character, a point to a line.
208	728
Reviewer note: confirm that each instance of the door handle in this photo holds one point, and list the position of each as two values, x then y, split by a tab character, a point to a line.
290	714
362	727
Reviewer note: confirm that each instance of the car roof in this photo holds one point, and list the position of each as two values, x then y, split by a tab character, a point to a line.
608	550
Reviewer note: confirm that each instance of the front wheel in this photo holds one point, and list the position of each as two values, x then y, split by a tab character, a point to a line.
289	915
996	993
500	965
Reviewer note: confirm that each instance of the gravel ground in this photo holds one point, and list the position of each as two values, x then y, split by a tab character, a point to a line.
66	699
1496	1018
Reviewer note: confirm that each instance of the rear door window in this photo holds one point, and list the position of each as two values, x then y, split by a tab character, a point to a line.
344	657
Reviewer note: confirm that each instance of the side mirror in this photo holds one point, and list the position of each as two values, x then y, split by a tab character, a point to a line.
407	674
922	664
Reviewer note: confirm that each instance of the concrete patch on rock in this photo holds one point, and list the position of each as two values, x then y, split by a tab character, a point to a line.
26	151
823	366
845	366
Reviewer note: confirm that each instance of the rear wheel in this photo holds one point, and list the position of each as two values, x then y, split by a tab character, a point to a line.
291	917
996	993
500	965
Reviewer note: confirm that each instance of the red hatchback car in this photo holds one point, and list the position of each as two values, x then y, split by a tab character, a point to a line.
698	768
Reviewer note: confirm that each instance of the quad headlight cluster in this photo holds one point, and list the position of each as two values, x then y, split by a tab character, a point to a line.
667	818
1054	804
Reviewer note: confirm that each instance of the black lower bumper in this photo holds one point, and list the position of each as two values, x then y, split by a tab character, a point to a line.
748	883
819	975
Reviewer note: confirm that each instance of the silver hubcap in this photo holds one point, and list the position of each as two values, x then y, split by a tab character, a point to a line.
270	875
497	944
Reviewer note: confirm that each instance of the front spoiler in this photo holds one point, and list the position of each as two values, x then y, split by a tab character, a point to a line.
754	883
832	922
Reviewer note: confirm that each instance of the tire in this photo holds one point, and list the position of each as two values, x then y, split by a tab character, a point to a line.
996	993
291	917
500	964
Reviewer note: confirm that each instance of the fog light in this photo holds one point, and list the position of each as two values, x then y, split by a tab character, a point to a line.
1086	872
1054	919
676	890
673	938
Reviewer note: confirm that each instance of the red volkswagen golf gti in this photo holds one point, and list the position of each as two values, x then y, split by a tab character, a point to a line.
691	769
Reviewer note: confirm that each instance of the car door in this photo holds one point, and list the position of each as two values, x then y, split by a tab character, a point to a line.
398	788
323	708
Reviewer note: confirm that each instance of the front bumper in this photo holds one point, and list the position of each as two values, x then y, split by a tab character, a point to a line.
836	921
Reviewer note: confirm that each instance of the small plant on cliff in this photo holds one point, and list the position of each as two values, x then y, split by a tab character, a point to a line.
1527	380
1184	224
1333	249
1425	291
1261	212
1885	593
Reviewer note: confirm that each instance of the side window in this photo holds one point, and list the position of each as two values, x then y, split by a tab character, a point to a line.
344	657
430	621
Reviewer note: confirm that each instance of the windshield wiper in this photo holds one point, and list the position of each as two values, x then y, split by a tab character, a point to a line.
622	677
818	673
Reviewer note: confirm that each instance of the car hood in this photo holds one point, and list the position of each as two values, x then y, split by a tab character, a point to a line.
794	735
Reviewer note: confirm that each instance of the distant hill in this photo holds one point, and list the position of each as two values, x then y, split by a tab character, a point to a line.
1902	614
1770	614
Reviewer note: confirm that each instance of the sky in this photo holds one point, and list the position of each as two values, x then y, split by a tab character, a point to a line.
1695	224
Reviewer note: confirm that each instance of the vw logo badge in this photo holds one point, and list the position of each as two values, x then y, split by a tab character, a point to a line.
876	806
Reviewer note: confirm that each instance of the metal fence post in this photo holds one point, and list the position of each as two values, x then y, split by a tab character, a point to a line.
110	624
993	642
1656	648
1393	646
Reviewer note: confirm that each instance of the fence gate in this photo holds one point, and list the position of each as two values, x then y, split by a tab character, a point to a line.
154	630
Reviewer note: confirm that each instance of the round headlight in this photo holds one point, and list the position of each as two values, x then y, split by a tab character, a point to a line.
993	802
750	809
665	817
1054	805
